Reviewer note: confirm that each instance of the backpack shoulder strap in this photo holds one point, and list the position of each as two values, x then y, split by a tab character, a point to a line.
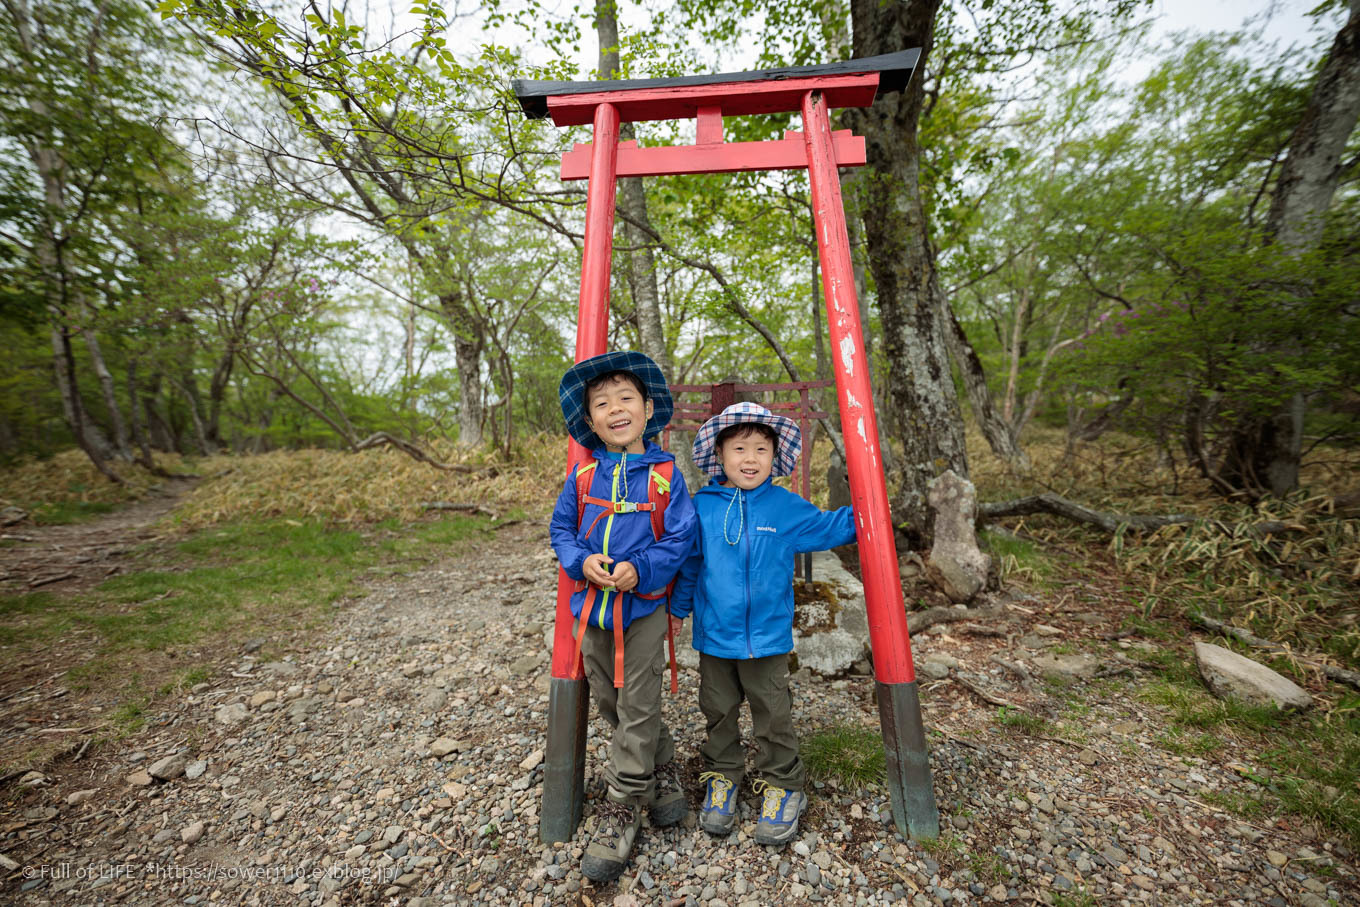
584	473
659	494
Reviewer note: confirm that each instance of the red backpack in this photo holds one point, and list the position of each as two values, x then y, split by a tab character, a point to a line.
658	496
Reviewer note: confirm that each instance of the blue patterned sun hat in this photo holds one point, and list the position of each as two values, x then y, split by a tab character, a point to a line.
571	392
790	438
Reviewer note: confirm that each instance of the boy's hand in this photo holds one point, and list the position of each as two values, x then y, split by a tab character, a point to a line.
625	577
676	623
595	568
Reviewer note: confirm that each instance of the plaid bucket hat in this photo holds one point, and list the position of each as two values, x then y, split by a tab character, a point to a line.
790	438
571	392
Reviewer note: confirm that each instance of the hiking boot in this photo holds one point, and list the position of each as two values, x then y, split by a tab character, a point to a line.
779	813
616	826
719	815
668	804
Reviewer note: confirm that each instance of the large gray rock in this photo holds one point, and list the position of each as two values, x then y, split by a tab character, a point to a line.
956	566
829	636
1232	676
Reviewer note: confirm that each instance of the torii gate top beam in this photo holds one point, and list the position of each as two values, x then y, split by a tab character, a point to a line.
736	93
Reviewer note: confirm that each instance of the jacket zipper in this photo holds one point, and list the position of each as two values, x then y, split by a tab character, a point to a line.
609	524
746	577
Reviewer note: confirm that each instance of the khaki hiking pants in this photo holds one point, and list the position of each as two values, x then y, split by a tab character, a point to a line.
764	683
641	740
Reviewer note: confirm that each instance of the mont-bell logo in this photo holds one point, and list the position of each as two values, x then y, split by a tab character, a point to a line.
766	529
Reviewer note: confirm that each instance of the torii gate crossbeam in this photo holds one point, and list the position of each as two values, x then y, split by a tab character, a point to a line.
812	90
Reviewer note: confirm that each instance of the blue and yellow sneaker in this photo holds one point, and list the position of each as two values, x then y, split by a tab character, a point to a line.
719	813
779	813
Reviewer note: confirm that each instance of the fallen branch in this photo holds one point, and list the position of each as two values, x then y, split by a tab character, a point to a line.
1015	668
1340	675
378	439
919	620
1058	505
455	505
986	697
49	580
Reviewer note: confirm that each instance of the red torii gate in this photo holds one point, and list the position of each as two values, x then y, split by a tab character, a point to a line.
813	90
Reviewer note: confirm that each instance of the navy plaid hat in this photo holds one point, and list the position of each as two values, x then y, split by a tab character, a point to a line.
572	392
790	438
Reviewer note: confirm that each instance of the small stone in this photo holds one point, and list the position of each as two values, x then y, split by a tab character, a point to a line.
532	760
169	768
32	779
139	779
443	746
192	832
262	697
1276	858
78	797
234	713
195	769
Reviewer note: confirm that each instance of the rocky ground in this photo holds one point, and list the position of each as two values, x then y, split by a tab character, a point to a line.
396	757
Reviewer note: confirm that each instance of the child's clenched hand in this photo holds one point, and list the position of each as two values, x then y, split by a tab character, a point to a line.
625	577
595	568
676	623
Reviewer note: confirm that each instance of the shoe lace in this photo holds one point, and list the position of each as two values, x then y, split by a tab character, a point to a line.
613	817
668	776
719	786
774	798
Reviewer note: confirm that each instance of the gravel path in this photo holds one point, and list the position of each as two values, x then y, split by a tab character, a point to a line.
396	758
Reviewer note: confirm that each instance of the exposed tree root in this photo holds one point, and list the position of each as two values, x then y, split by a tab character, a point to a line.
919	620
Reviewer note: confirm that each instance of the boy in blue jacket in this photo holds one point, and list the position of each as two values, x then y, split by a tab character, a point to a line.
607	542
739	584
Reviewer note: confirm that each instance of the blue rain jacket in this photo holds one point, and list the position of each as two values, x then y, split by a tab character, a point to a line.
623	536
742	594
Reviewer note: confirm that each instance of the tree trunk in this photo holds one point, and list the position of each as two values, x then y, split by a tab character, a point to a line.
101	370
1264	453
135	423
217	390
188	386
1312	168
929	427
995	428
467	355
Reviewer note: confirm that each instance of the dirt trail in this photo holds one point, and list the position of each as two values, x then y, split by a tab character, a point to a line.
395	756
80	555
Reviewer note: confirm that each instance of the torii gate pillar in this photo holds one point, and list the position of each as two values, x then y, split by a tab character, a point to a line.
813	90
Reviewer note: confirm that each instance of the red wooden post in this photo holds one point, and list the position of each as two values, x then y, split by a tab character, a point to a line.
568	695
909	781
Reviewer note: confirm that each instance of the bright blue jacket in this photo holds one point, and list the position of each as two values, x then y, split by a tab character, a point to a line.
742	594
623	536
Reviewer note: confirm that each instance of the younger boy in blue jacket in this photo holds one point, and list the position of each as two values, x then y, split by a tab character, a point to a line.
739	584
605	540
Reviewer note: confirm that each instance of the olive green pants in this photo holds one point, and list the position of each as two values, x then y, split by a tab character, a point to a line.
641	740
764	683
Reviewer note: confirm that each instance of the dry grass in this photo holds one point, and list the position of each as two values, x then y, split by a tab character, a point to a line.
67	481
371	486
1301	587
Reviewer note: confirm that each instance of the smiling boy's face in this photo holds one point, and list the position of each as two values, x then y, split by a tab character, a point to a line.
747	458
618	414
